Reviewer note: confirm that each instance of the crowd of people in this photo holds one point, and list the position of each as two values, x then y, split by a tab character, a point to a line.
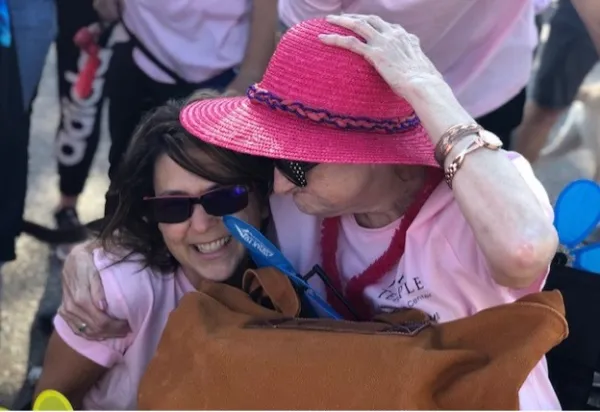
388	141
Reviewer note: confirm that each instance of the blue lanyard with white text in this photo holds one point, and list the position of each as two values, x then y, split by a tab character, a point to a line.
265	254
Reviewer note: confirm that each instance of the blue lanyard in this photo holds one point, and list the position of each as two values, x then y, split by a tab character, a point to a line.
264	253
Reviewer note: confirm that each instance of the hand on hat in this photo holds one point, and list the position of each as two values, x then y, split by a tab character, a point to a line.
395	53
397	56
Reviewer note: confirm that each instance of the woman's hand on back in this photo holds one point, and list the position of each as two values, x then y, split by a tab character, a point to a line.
84	306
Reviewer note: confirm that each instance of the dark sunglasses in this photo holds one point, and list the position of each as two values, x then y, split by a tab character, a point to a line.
294	171
218	202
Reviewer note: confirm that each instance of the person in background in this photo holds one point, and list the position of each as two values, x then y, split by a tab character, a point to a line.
28	28
78	132
567	57
176	47
483	48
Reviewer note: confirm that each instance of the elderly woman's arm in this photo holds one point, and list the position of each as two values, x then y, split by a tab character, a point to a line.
512	229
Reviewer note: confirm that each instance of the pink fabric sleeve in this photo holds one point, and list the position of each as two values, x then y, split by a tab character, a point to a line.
107	352
465	246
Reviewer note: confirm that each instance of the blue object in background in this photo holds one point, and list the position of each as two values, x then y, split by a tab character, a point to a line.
265	254
5	37
576	216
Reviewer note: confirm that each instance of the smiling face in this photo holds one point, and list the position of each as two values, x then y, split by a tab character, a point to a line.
201	244
164	160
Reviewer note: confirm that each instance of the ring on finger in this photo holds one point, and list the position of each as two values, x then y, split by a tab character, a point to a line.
82	327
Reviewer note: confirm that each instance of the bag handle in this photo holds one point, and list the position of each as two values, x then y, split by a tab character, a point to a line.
270	284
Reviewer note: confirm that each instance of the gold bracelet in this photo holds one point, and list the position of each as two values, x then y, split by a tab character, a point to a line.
457	162
451	137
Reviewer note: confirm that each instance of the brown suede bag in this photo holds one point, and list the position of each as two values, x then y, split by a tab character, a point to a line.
222	350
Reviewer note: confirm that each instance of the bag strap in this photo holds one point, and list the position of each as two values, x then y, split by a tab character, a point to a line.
270	284
142	47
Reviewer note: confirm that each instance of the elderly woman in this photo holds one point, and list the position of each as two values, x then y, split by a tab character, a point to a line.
353	113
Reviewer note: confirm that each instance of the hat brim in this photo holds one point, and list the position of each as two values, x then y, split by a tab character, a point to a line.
237	124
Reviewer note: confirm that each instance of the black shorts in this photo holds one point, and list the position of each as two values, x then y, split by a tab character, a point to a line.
566	59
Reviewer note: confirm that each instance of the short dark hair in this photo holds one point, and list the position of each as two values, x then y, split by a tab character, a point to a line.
160	132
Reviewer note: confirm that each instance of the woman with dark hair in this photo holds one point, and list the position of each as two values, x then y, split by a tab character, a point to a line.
158	245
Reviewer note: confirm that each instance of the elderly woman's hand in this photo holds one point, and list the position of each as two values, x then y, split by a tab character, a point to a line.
395	53
83	303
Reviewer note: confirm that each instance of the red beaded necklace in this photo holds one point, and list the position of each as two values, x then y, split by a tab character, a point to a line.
353	292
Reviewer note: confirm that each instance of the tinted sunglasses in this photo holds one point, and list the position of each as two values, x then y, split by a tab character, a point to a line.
294	171
218	202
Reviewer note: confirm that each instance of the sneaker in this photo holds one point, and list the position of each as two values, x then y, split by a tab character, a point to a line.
66	218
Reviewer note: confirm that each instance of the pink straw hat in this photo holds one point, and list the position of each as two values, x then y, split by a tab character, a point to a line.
315	103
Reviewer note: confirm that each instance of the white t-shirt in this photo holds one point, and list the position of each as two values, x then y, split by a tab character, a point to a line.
197	39
484	48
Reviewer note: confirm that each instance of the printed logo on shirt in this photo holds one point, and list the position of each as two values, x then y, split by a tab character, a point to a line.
404	292
404	289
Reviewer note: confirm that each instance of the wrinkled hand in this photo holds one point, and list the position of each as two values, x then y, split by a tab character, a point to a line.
395	53
83	304
109	10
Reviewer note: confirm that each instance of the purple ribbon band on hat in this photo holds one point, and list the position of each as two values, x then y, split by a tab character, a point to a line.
266	98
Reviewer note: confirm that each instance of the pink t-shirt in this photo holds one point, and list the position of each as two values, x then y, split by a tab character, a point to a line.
484	48
144	299
197	39
443	272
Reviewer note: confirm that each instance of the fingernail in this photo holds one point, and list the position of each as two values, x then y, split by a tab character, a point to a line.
102	304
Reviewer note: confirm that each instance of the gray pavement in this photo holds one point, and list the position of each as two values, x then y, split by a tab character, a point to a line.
32	284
